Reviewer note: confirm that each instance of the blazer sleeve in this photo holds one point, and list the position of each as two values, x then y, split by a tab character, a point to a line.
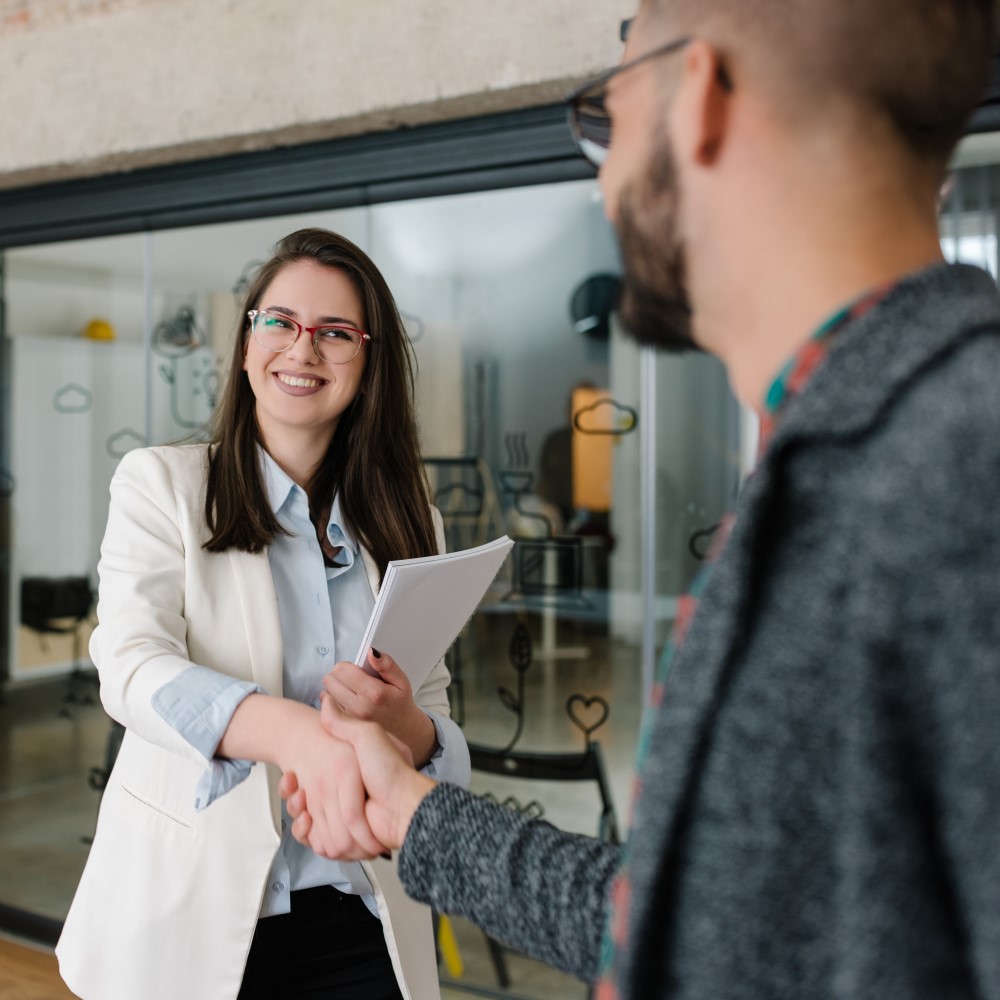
433	693
139	644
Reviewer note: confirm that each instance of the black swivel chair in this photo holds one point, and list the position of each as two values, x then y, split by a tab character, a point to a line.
61	606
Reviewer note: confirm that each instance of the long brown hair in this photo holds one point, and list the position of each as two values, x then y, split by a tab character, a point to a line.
373	461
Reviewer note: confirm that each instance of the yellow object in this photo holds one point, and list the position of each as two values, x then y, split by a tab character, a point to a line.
449	948
595	418
99	329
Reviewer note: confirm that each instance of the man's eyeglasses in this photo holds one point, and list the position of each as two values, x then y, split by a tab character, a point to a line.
589	120
276	332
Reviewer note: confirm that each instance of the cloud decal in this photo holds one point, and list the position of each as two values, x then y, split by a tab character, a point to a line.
606	418
73	398
119	444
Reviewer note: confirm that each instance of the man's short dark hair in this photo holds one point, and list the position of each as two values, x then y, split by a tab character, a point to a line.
920	66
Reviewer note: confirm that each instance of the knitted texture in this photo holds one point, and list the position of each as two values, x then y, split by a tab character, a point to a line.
527	884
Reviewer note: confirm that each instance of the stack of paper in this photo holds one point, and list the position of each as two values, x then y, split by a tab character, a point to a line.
425	603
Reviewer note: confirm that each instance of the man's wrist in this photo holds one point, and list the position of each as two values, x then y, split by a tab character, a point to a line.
414	793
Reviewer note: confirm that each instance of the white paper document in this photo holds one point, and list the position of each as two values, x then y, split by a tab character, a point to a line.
424	604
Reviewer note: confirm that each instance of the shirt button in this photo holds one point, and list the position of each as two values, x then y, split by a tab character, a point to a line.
278	887
322	650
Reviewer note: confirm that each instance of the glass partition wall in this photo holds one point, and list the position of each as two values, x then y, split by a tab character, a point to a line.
536	417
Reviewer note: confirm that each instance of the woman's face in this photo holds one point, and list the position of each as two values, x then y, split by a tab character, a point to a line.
296	390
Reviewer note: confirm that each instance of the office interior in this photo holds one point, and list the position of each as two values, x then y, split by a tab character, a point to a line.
609	465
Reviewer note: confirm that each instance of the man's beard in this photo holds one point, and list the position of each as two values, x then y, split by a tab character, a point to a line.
654	305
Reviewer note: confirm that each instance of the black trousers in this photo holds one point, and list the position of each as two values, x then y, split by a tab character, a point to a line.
329	947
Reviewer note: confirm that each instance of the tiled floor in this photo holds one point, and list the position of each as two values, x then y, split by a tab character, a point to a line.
48	747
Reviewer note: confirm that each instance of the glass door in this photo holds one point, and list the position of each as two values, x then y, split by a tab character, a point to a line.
539	418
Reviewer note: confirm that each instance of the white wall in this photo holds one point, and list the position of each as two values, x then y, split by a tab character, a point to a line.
48	297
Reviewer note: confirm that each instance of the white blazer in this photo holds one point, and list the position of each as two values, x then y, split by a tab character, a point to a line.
169	898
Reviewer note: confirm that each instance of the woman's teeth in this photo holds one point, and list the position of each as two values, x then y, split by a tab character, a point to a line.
300	383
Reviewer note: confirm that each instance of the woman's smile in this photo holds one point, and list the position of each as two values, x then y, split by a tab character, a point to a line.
297	384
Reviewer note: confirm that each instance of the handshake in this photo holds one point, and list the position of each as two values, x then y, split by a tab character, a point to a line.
354	795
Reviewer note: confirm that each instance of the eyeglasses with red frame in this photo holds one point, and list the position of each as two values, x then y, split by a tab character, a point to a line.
276	332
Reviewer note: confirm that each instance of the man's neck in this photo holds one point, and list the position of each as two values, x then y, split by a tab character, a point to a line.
804	273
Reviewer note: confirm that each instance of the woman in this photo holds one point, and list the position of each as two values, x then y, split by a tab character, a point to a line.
233	576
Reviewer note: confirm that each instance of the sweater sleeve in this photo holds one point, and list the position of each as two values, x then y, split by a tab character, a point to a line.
533	887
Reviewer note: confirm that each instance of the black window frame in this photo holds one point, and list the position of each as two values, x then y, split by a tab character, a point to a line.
511	149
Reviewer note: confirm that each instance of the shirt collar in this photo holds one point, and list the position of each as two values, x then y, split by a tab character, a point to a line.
282	490
797	372
337	529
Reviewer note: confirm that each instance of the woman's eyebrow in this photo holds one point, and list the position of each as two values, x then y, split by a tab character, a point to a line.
339	320
323	320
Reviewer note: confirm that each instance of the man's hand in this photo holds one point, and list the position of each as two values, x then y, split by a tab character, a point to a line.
394	788
386	699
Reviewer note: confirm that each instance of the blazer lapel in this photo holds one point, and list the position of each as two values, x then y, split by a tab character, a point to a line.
254	588
371	570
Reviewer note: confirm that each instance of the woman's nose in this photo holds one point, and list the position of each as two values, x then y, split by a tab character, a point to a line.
303	350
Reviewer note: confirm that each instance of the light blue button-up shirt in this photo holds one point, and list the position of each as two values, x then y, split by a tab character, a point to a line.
323	611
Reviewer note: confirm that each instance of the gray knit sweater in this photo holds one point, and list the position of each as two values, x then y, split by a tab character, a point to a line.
821	814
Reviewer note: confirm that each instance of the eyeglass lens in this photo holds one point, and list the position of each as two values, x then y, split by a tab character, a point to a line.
274	332
592	125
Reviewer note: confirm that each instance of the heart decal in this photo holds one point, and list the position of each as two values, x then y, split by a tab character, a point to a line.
587	714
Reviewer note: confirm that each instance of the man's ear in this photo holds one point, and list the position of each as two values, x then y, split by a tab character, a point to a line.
702	105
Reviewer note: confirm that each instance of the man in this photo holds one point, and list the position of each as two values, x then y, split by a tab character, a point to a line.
818	803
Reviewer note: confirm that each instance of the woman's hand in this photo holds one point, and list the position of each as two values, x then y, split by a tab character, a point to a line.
386	699
395	789
291	735
327	772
